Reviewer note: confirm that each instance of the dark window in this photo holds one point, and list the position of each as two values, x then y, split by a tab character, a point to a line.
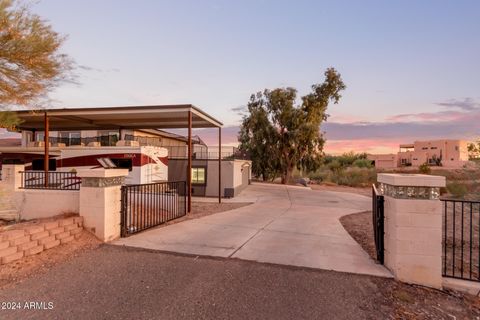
13	161
37	164
199	175
123	163
433	148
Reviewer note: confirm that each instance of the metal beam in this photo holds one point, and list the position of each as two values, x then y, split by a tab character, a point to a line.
189	165
46	140
219	164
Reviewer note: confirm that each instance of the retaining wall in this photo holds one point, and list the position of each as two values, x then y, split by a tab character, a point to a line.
34	238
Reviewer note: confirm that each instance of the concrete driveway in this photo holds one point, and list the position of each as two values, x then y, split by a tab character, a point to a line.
285	225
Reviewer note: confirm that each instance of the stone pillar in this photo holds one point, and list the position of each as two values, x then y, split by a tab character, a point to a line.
11	176
100	201
413	227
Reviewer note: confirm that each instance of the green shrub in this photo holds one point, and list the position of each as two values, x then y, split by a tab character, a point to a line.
363	163
425	169
457	190
335	165
354	177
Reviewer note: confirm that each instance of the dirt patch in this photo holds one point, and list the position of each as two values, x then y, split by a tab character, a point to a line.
359	226
207	208
12	225
409	301
326	187
202	209
415	302
40	263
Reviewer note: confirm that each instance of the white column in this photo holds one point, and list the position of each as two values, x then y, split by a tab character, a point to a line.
413	227
100	201
11	176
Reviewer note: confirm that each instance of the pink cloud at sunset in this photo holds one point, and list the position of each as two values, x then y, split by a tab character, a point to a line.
384	137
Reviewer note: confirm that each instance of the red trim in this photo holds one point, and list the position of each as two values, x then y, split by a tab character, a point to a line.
138	159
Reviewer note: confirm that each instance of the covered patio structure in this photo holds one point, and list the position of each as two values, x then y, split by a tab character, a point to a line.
185	116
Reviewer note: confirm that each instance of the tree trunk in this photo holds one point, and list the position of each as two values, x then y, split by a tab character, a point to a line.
287	175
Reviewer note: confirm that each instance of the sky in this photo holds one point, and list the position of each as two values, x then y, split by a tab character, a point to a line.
412	68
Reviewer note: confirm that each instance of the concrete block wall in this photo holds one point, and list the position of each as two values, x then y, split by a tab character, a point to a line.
413	240
31	239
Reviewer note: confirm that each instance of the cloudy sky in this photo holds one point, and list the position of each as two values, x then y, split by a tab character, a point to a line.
412	68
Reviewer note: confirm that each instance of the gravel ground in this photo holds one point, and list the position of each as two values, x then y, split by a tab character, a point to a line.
359	226
113	282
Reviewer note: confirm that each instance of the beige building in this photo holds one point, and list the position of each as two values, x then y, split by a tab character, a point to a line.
446	153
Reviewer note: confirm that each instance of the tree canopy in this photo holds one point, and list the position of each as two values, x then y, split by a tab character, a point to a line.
474	150
282	134
30	61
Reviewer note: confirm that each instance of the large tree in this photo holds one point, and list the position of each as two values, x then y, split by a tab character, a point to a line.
282	134
30	61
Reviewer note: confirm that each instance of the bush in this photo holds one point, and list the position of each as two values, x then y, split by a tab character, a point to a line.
425	169
354	177
457	190
363	163
335	166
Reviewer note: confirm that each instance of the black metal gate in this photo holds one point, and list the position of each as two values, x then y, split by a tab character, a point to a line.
378	223
461	239
149	205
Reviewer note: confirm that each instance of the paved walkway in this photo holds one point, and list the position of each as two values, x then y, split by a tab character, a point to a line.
285	225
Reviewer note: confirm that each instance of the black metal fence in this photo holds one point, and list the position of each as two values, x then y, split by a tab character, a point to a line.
148	205
461	242
57	180
378	223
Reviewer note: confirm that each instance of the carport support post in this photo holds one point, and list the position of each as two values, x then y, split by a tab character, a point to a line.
219	164
46	140
189	165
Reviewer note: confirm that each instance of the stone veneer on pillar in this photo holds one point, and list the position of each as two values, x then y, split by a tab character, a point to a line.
100	201
413	227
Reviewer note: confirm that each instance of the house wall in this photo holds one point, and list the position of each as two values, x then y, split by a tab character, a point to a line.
235	175
384	160
453	154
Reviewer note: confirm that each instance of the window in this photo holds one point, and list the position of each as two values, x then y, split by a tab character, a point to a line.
198	175
40	136
123	163
433	148
425	148
71	138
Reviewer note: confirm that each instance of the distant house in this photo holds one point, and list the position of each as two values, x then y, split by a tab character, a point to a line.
446	153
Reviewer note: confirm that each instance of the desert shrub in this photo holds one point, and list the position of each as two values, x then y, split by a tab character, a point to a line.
425	169
363	163
335	165
320	175
457	190
354	177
